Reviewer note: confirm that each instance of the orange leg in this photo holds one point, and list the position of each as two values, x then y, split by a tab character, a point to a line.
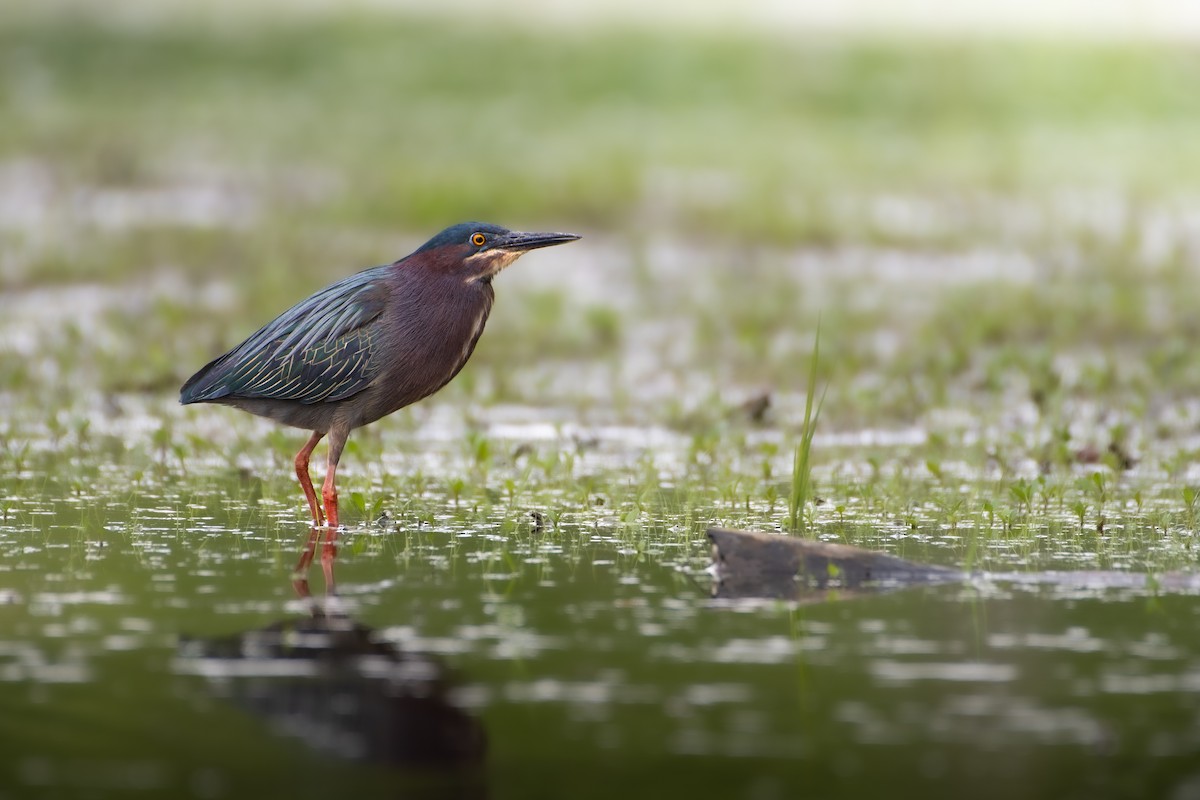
337	441
329	495
310	494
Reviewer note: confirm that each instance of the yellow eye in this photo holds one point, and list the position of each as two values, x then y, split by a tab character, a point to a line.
478	239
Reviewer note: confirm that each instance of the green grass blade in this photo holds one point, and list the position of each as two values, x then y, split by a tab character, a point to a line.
801	487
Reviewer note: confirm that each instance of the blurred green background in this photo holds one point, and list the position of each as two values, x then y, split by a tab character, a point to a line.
956	204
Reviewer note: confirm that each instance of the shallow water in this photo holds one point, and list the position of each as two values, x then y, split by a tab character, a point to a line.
523	604
586	649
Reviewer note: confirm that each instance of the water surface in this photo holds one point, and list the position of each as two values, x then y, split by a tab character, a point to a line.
588	651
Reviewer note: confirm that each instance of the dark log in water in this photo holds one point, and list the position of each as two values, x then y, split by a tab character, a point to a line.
752	564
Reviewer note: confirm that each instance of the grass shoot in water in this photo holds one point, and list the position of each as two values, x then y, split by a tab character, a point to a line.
801	463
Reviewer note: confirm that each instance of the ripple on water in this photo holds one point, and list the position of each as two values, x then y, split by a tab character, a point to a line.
892	671
22	661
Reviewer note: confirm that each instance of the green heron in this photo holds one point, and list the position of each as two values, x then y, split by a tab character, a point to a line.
368	345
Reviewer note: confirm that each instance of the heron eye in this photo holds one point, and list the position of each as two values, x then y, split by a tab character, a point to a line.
478	239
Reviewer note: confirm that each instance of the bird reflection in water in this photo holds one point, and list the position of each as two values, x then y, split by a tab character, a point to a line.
300	573
339	687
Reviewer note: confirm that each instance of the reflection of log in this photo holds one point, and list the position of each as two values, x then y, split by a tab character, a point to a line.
751	564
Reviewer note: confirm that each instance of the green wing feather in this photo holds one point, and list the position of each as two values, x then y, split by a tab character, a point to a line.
325	348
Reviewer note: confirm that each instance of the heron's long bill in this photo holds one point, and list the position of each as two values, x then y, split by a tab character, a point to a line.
521	242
